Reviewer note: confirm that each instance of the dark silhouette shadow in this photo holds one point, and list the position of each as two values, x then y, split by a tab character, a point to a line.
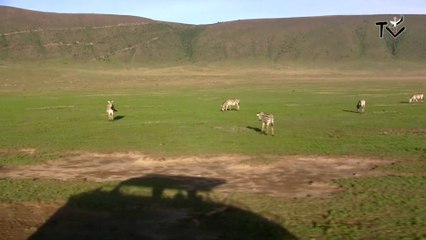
156	207
405	102
255	129
116	118
232	109
351	111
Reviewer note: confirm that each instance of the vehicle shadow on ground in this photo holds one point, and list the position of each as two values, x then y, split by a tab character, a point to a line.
156	207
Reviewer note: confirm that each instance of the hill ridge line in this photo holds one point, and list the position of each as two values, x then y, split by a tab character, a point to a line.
74	28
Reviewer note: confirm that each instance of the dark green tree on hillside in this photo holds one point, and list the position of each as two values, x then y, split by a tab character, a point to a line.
393	43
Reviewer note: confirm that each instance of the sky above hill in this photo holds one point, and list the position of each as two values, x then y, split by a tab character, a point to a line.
205	12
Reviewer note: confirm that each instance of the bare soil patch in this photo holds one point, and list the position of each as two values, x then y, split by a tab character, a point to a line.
282	176
9	152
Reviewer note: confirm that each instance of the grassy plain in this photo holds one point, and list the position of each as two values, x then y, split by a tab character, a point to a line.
176	111
58	108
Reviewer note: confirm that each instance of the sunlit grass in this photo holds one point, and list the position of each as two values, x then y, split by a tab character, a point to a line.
58	111
311	118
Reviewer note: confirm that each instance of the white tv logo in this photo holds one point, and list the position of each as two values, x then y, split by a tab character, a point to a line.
393	24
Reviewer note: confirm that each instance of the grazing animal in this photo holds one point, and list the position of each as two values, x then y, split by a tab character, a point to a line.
360	106
230	103
416	98
110	109
268	121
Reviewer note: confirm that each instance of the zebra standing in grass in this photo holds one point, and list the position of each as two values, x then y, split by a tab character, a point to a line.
229	103
360	106
268	120
416	98
110	109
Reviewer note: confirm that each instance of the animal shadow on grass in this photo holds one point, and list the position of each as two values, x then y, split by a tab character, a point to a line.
255	129
350	111
119	117
404	102
156	207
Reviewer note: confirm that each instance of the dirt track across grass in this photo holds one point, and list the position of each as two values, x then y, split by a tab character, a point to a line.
281	176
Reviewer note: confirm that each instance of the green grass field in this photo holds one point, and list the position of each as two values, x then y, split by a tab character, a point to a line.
314	117
58	109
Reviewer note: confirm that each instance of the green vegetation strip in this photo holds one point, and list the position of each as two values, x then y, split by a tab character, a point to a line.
315	118
388	207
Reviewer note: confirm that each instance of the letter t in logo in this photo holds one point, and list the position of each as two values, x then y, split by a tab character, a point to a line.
381	24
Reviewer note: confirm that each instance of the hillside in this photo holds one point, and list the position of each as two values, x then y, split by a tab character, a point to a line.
29	35
16	19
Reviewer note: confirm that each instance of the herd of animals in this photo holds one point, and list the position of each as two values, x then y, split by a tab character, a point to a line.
267	119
